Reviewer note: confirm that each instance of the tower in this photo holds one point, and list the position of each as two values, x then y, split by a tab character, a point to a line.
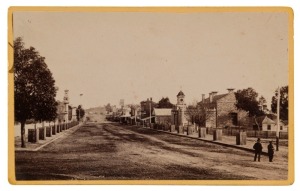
66	104
180	98
181	107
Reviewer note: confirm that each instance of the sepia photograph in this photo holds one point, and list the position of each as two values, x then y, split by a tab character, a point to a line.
151	95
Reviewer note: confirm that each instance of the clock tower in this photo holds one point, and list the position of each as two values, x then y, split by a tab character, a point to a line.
181	108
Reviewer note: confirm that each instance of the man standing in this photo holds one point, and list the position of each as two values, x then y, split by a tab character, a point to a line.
270	151
258	149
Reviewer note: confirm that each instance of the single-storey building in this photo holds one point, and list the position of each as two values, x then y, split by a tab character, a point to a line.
162	115
271	125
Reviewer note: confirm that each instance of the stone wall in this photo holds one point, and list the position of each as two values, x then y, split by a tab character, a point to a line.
226	108
211	118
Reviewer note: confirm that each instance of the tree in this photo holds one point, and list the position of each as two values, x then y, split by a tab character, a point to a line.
80	113
284	103
34	87
247	100
108	108
165	103
198	114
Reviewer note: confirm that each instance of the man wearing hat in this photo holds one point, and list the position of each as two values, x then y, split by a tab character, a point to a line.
258	149
270	151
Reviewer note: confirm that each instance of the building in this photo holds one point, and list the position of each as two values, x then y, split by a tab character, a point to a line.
66	106
125	114
147	108
179	111
162	115
269	123
60	111
135	114
222	112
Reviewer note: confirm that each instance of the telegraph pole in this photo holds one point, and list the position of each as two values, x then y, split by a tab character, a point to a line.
278	119
150	110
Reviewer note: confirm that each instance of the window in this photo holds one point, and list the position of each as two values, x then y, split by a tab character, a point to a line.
269	127
234	119
281	128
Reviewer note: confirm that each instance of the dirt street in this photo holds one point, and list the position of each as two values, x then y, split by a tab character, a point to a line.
109	151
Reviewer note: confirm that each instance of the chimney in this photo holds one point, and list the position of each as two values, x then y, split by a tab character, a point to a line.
210	97
203	98
230	90
214	93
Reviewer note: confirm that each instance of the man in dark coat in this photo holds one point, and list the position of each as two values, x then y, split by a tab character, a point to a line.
258	149
270	151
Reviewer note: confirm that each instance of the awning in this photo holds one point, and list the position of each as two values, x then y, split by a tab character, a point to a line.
147	118
125	116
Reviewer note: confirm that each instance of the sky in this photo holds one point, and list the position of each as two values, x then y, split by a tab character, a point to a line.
108	56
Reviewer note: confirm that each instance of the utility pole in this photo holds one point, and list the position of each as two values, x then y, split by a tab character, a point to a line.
80	107
278	119
150	110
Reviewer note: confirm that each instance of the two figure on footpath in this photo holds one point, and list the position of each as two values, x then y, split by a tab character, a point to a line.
258	150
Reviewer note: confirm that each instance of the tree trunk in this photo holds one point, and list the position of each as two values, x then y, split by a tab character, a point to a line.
23	134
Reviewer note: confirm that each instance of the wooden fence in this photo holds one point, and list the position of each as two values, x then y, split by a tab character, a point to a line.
250	133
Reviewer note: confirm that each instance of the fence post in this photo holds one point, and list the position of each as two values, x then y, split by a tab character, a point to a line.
217	135
45	129
37	131
202	132
279	134
50	129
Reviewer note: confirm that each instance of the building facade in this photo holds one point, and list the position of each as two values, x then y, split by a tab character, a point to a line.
222	112
162	115
147	109
179	116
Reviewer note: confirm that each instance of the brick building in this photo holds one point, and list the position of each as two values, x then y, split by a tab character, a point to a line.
222	112
147	107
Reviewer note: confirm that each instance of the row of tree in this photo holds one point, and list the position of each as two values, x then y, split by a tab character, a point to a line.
34	88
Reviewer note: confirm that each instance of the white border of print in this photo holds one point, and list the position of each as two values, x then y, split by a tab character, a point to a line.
4	71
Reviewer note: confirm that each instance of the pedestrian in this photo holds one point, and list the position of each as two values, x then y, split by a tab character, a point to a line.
270	151
258	149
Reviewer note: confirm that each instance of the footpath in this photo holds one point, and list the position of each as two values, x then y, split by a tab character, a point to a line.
230	141
42	143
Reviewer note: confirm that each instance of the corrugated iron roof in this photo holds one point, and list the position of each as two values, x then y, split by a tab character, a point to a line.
162	111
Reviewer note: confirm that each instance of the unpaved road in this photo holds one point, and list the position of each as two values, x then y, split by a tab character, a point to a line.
108	151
